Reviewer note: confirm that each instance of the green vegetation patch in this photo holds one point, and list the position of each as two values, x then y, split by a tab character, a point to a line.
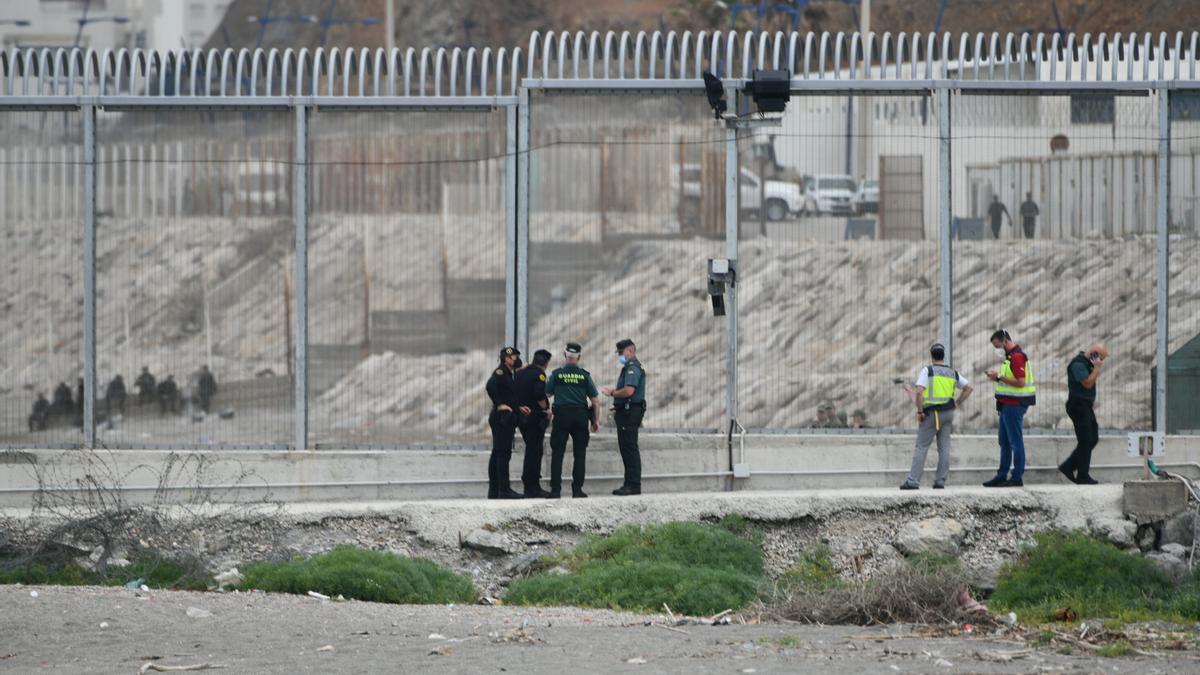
361	574
1094	579
813	570
146	567
694	568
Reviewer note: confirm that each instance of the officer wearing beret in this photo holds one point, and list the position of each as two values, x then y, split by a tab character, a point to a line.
503	421
629	406
531	395
572	388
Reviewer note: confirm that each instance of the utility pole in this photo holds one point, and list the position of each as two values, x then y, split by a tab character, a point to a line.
862	124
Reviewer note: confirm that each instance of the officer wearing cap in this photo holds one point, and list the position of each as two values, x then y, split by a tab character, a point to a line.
573	389
531	394
934	398
629	406
503	421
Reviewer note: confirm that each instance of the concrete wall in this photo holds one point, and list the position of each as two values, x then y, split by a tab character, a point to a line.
671	463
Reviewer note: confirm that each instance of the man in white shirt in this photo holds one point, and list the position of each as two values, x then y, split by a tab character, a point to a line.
934	398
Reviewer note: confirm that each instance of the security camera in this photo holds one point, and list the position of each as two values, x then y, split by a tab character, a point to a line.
771	90
716	94
722	272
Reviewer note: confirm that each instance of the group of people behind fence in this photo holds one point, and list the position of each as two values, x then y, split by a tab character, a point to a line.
67	405
532	398
940	390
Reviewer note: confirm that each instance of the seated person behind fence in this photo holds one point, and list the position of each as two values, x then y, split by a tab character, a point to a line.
168	396
829	418
114	396
40	418
858	419
146	387
206	388
64	404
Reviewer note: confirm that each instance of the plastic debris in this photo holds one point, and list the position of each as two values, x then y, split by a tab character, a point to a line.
326	648
33	594
637	661
197	613
314	594
436	636
135	584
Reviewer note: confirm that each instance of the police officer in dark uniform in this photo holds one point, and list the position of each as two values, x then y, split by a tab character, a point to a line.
572	388
531	393
503	421
629	406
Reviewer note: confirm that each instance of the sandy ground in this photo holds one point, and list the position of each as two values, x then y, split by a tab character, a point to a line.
92	630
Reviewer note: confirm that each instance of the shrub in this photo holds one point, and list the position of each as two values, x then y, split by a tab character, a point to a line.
374	576
1092	577
694	568
905	593
146	567
813	570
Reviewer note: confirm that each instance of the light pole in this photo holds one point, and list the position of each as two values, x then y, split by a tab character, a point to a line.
84	20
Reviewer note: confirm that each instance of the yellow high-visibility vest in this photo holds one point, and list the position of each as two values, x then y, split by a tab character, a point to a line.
1028	393
939	392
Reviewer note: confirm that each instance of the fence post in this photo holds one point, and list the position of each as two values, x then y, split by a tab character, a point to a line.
731	252
510	226
945	208
88	111
522	225
1162	287
300	215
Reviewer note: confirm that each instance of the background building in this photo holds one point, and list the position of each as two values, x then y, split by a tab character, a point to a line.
109	24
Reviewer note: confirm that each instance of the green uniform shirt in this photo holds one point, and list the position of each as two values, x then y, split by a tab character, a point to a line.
571	386
632	375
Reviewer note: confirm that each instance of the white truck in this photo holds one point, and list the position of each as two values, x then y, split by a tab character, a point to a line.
783	198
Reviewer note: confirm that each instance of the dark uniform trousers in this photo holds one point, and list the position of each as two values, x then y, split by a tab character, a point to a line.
572	422
1087	436
504	427
628	423
533	432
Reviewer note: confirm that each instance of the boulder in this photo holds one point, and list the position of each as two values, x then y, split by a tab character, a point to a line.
1120	532
986	575
1178	550
1173	567
1180	529
524	564
935	536
489	542
1146	537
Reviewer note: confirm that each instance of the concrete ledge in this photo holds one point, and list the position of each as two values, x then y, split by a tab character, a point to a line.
671	463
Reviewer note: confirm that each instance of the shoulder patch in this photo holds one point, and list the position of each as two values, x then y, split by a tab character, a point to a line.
499	371
542	377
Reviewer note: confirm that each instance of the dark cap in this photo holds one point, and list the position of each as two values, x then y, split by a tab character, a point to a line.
937	351
509	351
541	357
573	349
623	344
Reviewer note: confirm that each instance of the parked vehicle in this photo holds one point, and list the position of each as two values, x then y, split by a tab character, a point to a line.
783	198
866	200
831	194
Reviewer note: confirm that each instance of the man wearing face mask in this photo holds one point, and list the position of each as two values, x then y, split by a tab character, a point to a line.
1015	392
629	406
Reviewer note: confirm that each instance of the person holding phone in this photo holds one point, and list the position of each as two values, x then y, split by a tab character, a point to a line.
1082	373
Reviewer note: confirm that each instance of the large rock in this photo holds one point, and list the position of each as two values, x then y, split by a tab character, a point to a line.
935	536
490	542
1177	550
1172	566
1180	529
986	575
1119	532
524	564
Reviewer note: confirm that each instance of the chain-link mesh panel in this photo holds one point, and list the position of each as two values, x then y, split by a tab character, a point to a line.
41	212
626	208
194	252
406	275
1054	204
838	300
1183	373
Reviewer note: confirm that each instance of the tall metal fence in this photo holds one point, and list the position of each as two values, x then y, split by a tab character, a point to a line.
326	249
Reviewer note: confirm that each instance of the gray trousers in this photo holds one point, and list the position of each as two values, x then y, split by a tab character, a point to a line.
939	425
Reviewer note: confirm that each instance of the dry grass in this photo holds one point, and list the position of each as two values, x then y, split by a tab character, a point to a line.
907	593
